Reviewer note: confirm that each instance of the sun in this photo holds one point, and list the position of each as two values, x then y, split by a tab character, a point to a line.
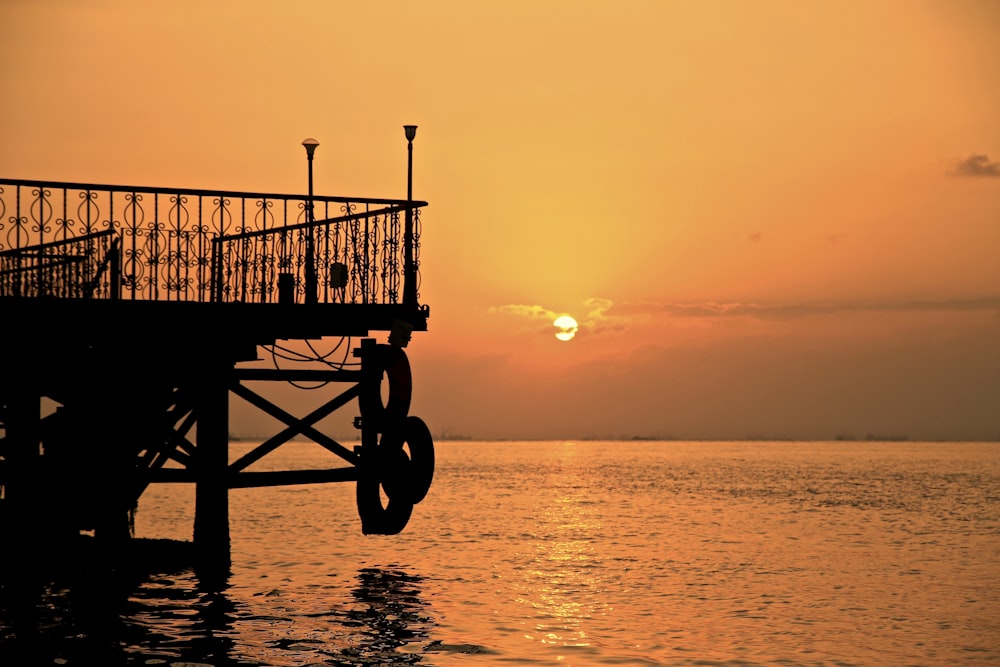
566	327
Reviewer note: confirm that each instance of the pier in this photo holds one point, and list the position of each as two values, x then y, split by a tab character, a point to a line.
130	315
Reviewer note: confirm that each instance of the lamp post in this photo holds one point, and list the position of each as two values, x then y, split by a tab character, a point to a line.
310	146
409	271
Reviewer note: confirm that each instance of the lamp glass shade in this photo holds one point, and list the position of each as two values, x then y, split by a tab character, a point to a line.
411	131
310	145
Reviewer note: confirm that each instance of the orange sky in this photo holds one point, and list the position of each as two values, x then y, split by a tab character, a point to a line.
768	217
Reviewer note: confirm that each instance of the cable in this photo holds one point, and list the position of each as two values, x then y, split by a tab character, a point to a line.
281	352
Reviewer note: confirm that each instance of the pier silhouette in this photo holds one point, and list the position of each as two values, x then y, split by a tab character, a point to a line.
132	314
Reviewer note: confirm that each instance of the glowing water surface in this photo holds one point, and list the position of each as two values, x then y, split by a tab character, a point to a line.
601	553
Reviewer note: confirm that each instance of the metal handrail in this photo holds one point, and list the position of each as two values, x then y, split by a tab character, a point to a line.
179	244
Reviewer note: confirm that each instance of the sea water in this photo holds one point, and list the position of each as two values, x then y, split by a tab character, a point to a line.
584	553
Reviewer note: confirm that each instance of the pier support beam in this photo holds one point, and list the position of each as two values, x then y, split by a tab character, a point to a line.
211	523
23	501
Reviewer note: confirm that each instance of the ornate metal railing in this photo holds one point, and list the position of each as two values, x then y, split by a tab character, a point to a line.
144	243
352	258
82	267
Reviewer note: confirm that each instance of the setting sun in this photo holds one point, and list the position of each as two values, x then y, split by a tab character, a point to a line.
566	327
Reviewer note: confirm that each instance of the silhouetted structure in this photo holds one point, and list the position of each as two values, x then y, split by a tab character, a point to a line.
128	315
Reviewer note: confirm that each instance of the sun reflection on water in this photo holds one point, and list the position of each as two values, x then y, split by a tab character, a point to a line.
562	581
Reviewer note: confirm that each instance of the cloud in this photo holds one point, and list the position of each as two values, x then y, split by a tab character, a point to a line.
755	237
598	317
787	385
594	320
598	320
714	309
977	165
524	310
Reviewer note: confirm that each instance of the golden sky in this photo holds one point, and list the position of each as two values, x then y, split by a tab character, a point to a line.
771	218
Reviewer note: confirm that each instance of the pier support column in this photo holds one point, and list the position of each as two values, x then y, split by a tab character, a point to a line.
23	501
25	546
116	415
211	522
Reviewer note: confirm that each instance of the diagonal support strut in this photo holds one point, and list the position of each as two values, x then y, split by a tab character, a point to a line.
295	427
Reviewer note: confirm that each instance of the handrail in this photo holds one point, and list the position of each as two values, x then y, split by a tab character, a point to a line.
42	247
178	244
69	185
70	268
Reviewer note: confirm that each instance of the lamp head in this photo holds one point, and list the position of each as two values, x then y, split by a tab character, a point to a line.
411	131
310	145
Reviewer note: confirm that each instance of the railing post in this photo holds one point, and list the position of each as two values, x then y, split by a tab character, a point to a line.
116	269
409	270
311	281
215	288
310	277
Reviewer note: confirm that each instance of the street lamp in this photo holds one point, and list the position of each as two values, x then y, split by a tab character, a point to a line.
310	146
411	133
409	273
